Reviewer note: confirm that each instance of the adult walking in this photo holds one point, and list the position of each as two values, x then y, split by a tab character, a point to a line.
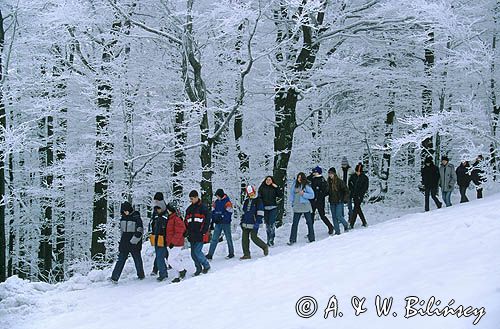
430	181
320	188
222	212
253	213
198	223
463	180
131	228
447	179
338	194
269	192
358	186
345	173
300	194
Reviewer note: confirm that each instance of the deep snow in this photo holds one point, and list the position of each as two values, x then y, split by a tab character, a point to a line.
448	253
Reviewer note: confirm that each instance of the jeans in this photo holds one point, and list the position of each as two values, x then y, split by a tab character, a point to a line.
160	261
270	220
337	210
198	257
295	225
245	241
431	192
219	228
446	198
155	266
122	258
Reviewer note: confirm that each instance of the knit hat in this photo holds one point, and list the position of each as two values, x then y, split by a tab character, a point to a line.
158	196
160	204
318	170
445	158
332	170
171	208
344	162
220	193
126	206
193	194
251	191
359	167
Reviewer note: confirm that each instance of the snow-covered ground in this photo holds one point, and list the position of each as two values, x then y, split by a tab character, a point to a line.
451	254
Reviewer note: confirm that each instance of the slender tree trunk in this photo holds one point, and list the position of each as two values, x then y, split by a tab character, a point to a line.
427	144
495	106
3	123
179	154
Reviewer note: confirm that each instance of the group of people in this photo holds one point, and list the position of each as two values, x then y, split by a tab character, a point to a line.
446	177
168	230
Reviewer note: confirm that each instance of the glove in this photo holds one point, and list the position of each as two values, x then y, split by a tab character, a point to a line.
171	245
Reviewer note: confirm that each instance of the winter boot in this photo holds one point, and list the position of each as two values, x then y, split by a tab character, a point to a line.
182	274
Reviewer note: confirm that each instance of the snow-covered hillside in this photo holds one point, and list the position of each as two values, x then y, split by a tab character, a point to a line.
451	254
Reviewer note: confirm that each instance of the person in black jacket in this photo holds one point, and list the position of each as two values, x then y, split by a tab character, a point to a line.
358	186
197	223
269	192
463	180
430	181
477	175
160	233
320	187
131	228
158	201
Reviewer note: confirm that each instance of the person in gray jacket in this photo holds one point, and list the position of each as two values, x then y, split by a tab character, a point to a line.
447	179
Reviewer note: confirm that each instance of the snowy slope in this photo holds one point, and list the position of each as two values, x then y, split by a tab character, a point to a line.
448	253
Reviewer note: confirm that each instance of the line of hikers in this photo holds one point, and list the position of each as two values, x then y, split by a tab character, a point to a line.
168	230
446	177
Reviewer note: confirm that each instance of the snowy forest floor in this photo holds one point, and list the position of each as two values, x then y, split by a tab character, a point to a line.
447	253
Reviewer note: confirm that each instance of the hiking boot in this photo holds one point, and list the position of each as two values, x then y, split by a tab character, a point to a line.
208	256
176	280
141	277
245	257
346	229
365	225
205	270
266	251
113	280
161	278
198	272
229	256
182	274
290	243
330	232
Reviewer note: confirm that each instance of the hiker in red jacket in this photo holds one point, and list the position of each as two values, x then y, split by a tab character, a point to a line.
175	241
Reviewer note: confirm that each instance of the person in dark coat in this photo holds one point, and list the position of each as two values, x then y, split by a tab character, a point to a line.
320	187
358	186
198	223
131	228
430	181
338	194
253	213
477	175
158	201
344	173
269	192
463	180
160	234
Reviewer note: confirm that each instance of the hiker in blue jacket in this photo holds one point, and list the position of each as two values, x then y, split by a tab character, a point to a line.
253	213
222	212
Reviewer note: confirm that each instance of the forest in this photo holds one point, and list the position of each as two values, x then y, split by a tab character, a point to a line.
103	101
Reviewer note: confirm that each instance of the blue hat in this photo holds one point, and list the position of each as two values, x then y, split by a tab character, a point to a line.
318	170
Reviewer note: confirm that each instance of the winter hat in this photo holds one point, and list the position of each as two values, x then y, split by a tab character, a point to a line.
344	162
251	191
318	170
332	170
359	167
428	160
445	158
160	204
220	193
158	196
193	194
126	206
171	208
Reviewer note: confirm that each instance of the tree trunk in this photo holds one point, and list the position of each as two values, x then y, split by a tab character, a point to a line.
427	144
495	106
179	154
3	123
